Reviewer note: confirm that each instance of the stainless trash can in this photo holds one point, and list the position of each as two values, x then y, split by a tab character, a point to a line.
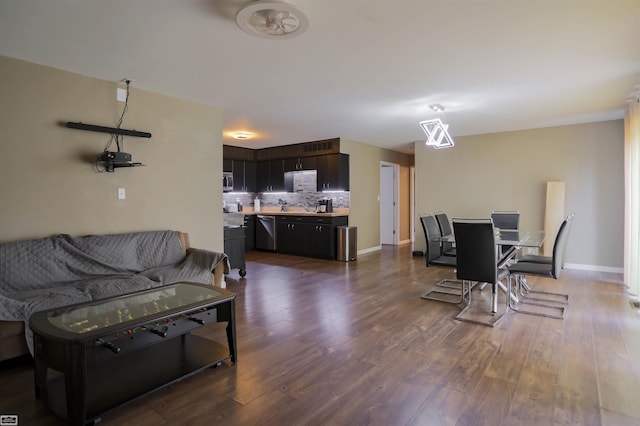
347	243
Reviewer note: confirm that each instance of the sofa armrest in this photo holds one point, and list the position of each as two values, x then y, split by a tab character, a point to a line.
220	268
218	275
184	241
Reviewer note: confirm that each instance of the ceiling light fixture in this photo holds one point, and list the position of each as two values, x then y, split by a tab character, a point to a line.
242	135
437	133
271	19
436	107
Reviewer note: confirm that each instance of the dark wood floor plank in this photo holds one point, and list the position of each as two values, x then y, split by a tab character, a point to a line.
488	404
443	406
577	396
534	398
515	342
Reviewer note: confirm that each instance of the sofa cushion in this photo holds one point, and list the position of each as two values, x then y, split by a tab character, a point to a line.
34	264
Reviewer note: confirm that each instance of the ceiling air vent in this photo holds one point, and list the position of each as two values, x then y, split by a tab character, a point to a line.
271	19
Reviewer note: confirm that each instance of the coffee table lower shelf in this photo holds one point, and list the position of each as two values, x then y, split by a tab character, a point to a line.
126	378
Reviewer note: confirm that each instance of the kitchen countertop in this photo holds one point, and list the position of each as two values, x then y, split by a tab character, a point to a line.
294	211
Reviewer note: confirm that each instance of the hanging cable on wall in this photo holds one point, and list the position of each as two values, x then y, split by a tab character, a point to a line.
117	137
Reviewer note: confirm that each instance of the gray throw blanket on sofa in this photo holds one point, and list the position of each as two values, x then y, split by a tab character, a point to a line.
46	273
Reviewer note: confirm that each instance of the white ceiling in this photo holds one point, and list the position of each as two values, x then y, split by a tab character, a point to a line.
365	70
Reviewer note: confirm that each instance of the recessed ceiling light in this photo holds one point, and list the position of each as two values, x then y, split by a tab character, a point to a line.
436	107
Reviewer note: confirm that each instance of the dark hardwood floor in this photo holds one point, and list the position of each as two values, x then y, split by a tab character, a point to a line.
333	343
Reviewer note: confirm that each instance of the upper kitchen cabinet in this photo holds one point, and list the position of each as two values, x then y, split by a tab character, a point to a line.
333	172
241	162
238	153
300	163
244	176
270	176
273	153
227	165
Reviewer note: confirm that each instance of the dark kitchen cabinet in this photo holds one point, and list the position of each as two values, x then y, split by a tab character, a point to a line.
273	153
227	165
270	176
333	172
244	176
300	163
320	241
309	235
238	153
321	236
291	235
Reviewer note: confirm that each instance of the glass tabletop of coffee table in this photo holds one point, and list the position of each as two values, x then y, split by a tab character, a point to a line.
100	314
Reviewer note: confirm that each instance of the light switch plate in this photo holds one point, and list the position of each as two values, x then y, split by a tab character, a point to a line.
122	194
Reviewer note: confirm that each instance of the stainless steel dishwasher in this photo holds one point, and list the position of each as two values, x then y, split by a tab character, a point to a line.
266	233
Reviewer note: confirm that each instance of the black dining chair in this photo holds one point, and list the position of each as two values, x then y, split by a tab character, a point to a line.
448	248
447	290
548	260
520	270
507	220
477	262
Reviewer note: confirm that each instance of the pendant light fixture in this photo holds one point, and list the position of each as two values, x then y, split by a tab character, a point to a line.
437	134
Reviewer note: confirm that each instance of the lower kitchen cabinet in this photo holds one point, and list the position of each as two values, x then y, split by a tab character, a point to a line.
321	241
312	236
291	235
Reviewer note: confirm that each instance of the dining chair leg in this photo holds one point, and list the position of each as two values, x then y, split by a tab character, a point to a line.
448	291
556	311
495	317
447	283
527	293
513	296
494	299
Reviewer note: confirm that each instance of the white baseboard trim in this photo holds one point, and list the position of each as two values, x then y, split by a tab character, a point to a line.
370	250
403	242
594	268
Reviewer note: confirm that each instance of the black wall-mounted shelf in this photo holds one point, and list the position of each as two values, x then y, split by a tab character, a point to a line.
111	130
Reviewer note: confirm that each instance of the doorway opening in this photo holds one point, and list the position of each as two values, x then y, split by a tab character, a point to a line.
389	190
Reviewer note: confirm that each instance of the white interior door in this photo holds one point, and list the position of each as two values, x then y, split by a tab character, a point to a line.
389	203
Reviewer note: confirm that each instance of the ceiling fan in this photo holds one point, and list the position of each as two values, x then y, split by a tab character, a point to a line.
271	19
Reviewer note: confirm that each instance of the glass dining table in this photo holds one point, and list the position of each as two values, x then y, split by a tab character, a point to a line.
517	240
511	237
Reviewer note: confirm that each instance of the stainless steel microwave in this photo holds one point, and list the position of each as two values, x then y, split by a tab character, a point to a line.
227	181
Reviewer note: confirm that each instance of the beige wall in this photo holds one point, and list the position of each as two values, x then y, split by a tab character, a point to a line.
509	171
48	184
364	175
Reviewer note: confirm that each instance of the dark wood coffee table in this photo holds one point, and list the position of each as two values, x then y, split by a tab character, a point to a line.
114	350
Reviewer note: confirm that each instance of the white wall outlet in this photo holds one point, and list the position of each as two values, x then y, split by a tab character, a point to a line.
121	94
122	194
